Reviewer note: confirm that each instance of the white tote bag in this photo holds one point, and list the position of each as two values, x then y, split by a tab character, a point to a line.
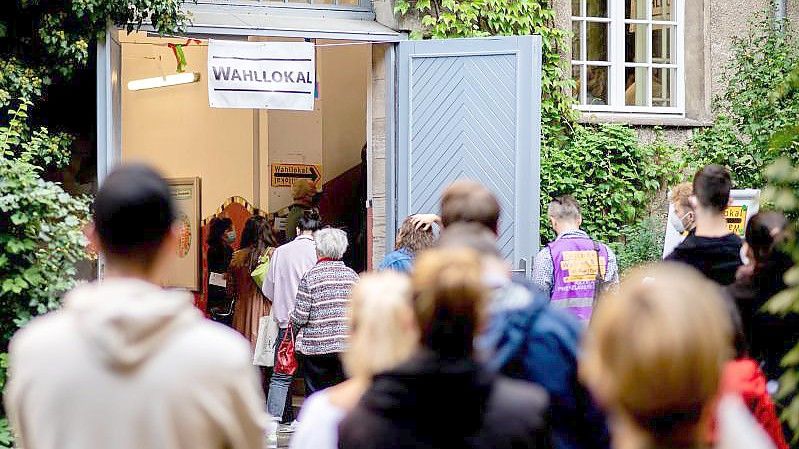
264	354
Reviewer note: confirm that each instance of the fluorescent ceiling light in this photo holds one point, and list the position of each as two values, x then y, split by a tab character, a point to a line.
164	81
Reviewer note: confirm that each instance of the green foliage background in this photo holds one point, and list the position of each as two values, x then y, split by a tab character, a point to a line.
43	43
783	193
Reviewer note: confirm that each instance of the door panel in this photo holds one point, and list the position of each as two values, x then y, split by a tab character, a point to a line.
470	108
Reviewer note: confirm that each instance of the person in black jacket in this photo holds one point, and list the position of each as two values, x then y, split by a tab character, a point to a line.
711	248
221	236
768	337
442	398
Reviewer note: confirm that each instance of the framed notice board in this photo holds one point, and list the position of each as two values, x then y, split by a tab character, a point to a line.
185	269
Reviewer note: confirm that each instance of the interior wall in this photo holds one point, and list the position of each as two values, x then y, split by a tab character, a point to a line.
175	130
345	72
335	131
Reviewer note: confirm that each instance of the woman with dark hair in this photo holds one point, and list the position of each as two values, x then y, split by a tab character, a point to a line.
250	304
769	337
221	236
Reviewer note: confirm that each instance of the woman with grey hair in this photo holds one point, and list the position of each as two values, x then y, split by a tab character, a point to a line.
320	314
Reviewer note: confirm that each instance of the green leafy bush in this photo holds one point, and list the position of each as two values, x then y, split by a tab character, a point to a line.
783	193
612	176
642	243
748	111
40	225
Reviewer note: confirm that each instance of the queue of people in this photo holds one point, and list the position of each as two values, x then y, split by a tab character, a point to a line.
443	348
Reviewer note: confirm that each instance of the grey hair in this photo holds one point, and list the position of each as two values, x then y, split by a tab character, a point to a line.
330	243
564	208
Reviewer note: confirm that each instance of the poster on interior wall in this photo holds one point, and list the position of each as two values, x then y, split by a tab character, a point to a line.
184	269
744	203
261	75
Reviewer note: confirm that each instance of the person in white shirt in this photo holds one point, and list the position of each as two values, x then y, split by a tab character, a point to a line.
383	334
126	364
289	264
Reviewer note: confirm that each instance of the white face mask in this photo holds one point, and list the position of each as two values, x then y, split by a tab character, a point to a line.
679	223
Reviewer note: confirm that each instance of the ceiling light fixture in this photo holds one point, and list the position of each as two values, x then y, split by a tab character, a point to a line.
164	81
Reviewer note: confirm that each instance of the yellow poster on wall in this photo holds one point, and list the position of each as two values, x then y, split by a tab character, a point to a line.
736	219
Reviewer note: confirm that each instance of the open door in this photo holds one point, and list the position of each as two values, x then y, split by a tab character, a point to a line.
109	104
109	110
471	108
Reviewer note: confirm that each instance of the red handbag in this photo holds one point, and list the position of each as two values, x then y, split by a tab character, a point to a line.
286	362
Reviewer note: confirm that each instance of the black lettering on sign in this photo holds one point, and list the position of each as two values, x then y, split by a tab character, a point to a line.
247	75
277	77
235	76
288	76
221	73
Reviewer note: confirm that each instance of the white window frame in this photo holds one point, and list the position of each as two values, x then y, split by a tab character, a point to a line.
617	64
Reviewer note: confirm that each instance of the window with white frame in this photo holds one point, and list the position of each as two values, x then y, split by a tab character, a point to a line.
627	55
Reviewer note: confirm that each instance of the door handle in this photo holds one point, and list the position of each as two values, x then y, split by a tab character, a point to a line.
524	268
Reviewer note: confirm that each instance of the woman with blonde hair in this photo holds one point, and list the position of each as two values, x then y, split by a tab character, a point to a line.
654	355
383	333
442	398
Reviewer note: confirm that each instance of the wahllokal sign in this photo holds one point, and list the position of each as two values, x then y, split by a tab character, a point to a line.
261	75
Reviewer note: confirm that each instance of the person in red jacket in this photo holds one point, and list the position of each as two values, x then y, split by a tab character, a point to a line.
743	377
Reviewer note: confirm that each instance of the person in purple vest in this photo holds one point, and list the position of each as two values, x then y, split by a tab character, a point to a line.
574	269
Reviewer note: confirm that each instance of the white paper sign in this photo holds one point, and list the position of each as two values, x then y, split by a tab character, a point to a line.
744	204
261	75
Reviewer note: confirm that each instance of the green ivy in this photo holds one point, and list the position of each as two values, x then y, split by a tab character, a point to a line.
476	18
643	243
613	176
749	109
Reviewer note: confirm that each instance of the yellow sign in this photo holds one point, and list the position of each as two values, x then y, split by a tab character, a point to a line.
582	265
284	175
736	219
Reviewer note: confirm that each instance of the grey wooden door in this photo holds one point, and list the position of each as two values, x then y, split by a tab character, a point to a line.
470	108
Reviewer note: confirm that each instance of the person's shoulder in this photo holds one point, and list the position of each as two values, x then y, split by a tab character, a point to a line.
518	401
220	346
43	331
362	428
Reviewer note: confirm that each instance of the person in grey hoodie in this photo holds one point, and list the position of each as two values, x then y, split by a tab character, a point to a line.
126	364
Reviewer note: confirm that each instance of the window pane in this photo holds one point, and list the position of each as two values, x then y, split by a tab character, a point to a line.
597	41
597	85
597	8
662	44
635	9
662	87
349	2
576	11
576	76
662	10
635	86
323	2
576	40
635	42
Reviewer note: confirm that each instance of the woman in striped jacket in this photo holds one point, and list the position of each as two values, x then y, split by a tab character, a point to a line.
320	313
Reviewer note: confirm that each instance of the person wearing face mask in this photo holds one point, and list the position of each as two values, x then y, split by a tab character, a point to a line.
221	237
684	216
712	248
